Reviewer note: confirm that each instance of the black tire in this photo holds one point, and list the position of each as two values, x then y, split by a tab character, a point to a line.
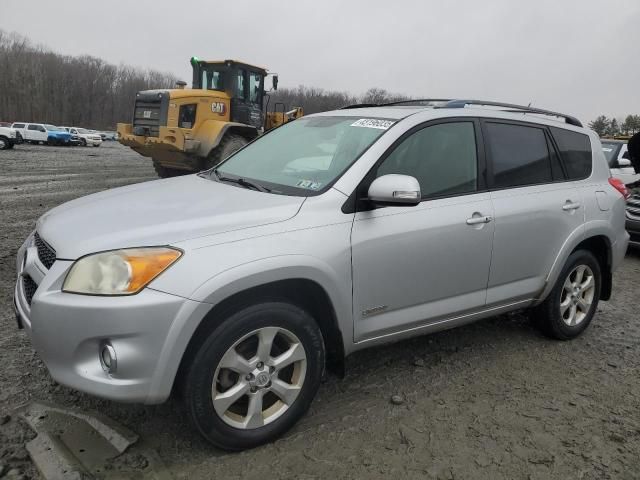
4	143
83	142
229	144
199	377
96	145
19	138
164	172
548	317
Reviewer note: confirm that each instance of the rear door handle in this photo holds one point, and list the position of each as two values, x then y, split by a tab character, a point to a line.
570	206
479	220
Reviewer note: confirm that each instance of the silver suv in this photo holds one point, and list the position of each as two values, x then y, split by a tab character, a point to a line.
336	232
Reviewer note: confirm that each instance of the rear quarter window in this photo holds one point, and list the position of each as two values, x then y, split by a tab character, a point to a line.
575	149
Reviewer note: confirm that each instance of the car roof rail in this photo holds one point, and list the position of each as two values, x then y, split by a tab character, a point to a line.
359	105
512	108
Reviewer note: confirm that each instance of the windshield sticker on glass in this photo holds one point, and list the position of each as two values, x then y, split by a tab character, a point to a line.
607	149
309	184
373	123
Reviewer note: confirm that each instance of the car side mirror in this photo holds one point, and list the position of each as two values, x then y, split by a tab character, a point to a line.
274	82
395	190
624	162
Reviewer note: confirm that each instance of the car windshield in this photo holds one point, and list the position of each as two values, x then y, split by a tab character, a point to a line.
305	156
610	150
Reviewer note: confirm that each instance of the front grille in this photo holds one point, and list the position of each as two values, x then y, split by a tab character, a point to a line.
46	254
150	112
29	287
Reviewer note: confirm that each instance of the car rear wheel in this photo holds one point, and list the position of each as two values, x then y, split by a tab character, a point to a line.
571	305
4	143
255	375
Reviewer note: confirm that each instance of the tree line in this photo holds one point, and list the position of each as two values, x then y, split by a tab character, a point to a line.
314	100
38	85
611	127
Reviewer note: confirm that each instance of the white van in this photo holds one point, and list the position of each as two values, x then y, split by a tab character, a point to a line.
617	155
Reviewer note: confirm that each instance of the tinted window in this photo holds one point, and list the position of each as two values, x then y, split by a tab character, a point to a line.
610	150
519	155
575	149
33	127
18	125
442	157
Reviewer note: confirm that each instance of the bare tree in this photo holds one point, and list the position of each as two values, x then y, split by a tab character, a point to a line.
38	85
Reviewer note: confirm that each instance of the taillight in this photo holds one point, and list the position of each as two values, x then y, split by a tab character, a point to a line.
620	186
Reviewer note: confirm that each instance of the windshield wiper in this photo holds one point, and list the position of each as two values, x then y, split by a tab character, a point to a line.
242	182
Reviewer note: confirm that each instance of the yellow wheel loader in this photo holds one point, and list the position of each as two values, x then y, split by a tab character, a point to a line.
189	130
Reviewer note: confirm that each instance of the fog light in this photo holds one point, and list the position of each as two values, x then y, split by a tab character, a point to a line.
108	358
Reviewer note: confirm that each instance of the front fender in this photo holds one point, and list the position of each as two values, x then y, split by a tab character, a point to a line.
235	280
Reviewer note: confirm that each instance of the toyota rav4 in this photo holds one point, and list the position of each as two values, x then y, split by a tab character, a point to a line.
336	232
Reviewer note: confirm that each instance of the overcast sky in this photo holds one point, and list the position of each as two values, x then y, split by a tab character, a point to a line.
576	56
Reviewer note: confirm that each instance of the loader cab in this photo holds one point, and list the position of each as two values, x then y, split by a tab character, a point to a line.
243	83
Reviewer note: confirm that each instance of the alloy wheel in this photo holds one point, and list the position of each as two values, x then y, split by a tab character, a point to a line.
577	295
259	378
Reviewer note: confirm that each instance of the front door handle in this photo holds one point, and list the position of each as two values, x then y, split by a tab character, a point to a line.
479	220
570	206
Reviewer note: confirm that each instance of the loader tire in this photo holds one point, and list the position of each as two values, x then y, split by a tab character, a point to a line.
229	144
164	172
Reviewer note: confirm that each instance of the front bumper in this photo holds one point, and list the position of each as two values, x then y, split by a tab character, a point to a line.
68	331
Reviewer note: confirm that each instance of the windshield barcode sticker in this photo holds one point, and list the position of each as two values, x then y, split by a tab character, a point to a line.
373	123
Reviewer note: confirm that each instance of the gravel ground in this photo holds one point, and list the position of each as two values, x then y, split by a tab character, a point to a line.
488	401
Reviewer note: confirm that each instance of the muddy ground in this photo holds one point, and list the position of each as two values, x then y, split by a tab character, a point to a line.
488	401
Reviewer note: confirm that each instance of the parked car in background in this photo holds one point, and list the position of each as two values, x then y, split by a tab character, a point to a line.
75	138
333	233
617	155
8	137
86	137
42	133
633	218
110	136
5	124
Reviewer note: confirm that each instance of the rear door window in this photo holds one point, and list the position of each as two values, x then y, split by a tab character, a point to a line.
519	155
575	149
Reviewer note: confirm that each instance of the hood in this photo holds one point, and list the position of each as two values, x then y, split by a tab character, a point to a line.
160	212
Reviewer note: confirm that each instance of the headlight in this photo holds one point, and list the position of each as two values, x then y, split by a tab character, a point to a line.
119	272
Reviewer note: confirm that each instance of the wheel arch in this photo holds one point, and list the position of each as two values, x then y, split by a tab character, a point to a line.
302	292
215	133
598	241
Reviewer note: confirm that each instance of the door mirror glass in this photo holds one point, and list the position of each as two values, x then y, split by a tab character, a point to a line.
274	82
395	190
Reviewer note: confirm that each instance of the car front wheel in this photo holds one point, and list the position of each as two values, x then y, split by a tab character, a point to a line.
571	305
255	375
